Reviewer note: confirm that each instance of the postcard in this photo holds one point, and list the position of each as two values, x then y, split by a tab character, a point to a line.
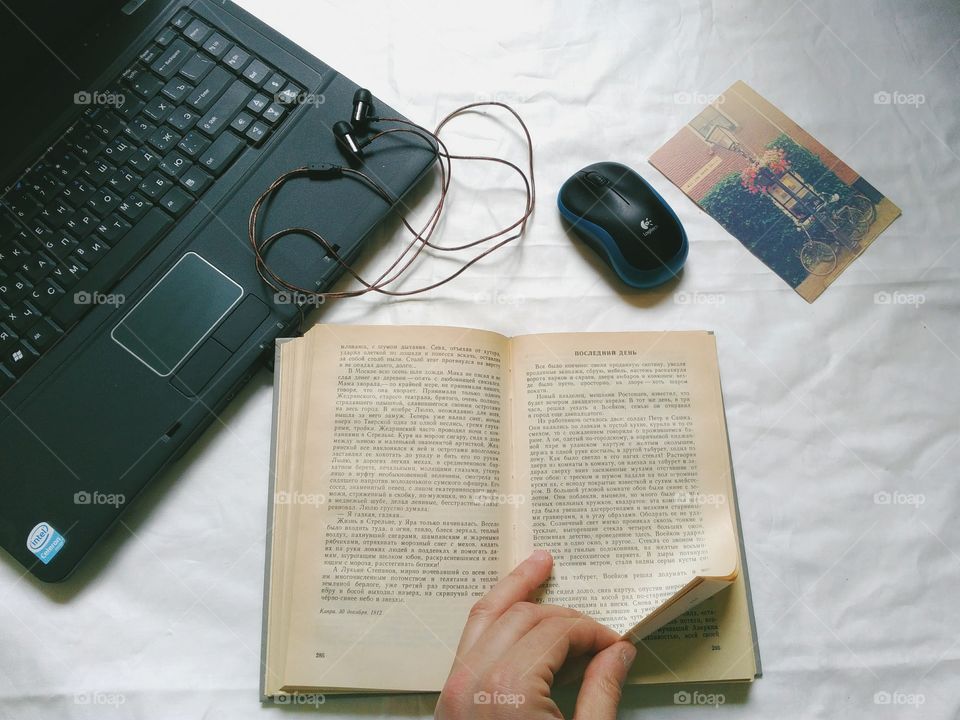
789	200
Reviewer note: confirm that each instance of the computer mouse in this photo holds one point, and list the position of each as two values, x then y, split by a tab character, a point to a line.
626	222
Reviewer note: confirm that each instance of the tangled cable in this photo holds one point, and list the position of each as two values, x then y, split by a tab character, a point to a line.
421	239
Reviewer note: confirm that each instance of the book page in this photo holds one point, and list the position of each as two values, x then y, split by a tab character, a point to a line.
396	512
621	449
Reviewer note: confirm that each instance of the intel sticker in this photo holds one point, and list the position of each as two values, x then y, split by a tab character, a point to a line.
45	542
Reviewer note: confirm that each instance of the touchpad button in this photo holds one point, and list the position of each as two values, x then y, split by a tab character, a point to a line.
176	315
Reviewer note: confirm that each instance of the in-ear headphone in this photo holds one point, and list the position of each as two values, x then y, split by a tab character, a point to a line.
360	119
363	118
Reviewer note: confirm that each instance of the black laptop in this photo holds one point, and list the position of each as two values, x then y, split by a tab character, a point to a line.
135	137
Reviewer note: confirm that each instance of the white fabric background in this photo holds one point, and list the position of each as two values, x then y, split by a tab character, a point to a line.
828	403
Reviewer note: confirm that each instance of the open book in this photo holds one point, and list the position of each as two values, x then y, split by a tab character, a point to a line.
415	466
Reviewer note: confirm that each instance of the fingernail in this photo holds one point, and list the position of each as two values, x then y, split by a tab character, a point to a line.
628	655
539	554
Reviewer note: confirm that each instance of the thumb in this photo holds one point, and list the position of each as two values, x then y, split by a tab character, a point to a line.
603	682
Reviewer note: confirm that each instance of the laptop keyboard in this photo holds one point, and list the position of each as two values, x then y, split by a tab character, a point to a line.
107	192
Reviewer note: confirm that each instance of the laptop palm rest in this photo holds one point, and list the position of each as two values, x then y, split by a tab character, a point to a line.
174	317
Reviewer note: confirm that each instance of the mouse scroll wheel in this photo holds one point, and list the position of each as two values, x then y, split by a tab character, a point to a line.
595	178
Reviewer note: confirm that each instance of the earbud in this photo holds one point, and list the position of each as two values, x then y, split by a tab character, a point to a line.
343	132
362	107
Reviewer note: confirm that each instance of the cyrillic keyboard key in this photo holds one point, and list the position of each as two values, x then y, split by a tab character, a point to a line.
124	255
209	89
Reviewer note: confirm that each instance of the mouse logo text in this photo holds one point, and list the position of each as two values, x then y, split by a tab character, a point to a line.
648	226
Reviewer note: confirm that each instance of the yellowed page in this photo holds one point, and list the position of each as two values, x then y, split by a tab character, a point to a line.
404	518
621	447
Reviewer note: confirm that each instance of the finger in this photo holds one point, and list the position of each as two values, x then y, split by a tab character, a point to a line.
543	650
603	683
508	629
515	587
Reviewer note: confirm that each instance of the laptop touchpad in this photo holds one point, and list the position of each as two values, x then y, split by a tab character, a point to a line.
177	314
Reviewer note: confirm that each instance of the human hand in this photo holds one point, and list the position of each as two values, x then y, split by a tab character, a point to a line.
511	650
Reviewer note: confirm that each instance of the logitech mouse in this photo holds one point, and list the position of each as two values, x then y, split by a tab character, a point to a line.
626	222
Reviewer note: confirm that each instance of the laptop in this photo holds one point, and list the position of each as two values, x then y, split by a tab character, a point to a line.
136	137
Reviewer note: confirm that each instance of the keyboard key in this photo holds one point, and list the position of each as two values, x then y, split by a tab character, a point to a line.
221	153
123	181
78	191
275	84
118	151
91	251
99	172
197	31
113	228
216	45
273	113
147	85
225	108
164	139
197	67
177	89
176	201
209	89
45	295
159	109
7	338
20	318
42	336
257	73
181	19
81	223
195	180
68	166
62	245
139	130
6	380
37	268
18	358
237	58
193	144
257	132
166	65
88	146
130	108
174	164
13	290
131	248
165	37
258	103
289	95
241	122
68	273
134	207
155	185
150	54
103	202
144	160
183	119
